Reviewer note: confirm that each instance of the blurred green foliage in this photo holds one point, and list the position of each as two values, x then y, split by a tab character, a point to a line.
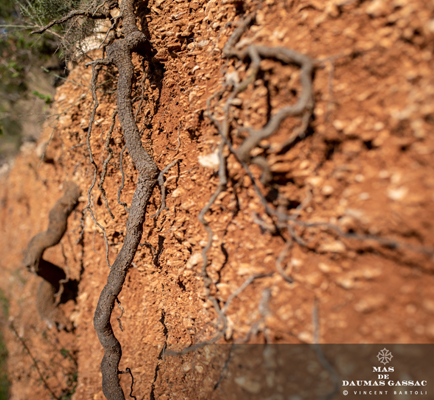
4	383
40	12
20	54
48	99
18	49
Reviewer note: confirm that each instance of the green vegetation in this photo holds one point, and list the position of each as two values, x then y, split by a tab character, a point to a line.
40	12
21	56
72	376
48	99
4	305
19	50
4	383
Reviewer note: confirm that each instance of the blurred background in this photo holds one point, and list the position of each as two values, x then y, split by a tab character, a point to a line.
31	67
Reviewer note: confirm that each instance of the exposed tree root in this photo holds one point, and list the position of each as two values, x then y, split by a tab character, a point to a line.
284	223
304	105
54	277
119	53
56	227
288	226
128	371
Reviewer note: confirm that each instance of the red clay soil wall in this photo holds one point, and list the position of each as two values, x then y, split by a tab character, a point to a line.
365	165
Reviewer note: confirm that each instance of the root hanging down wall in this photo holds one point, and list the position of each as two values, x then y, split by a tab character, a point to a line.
314	228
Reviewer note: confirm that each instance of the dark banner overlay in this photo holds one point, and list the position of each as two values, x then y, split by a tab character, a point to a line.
299	372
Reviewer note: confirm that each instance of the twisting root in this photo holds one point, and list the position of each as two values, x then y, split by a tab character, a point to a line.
56	227
55	278
292	219
95	168
128	371
303	107
224	128
119	53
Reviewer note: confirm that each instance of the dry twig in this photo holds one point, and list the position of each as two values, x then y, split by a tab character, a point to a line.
104	167
162	185
88	206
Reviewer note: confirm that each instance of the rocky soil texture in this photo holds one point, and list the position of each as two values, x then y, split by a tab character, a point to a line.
335	247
